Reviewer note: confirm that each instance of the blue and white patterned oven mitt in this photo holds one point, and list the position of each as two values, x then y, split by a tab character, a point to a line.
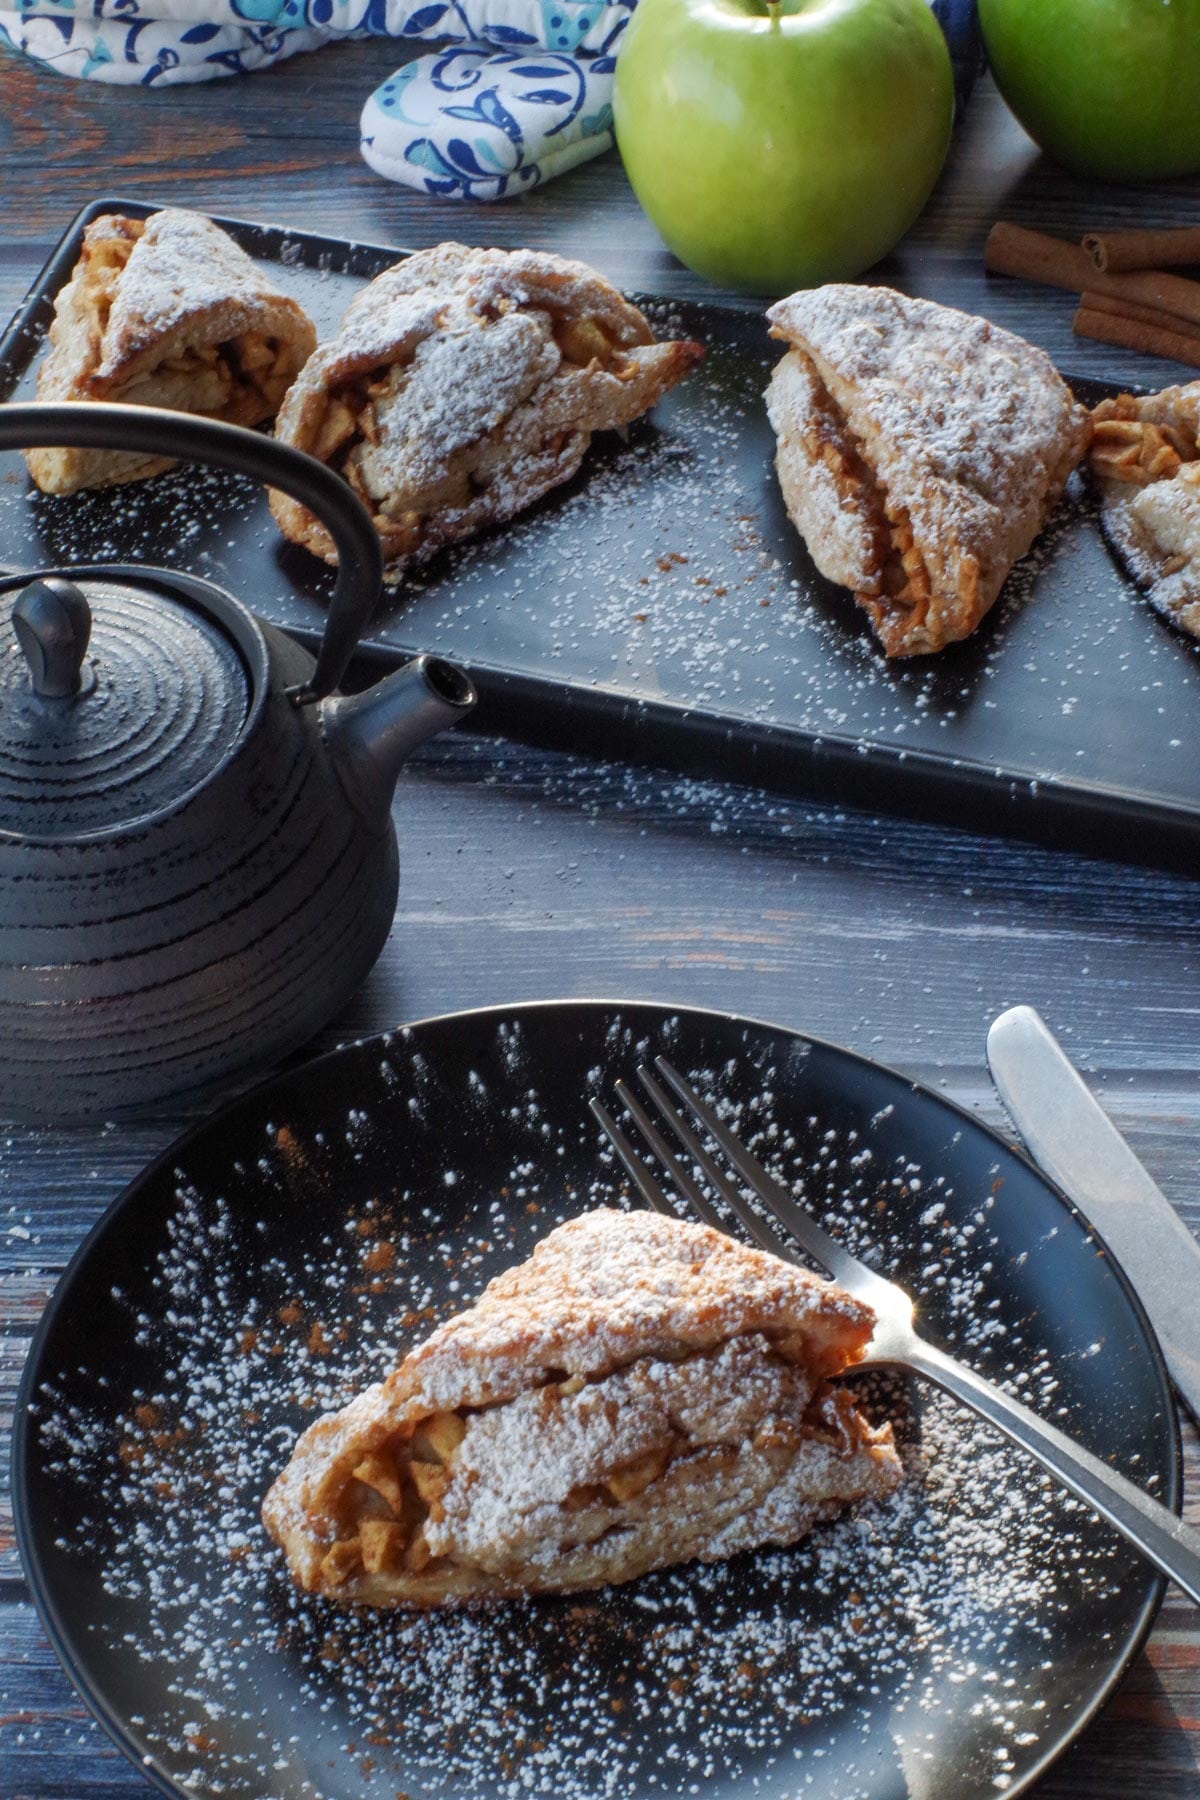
517	92
480	122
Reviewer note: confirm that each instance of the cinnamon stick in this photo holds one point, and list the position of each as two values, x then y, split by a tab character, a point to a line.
1033	255
1012	250
1142	315
1114	251
1129	331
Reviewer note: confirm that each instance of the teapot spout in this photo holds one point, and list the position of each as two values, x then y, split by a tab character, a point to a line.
369	735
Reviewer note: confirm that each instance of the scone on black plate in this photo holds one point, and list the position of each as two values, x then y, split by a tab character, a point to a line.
641	1392
464	384
920	453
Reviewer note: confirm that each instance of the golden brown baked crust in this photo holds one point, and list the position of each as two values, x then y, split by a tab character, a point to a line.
640	1392
166	311
921	450
1145	463
464	384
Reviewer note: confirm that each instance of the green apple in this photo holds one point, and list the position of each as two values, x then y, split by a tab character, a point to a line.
1111	88
779	144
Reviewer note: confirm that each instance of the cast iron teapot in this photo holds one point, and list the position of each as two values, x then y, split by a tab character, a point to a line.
197	860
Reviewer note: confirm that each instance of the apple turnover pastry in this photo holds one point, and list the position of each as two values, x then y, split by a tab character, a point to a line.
464	384
1145	462
920	452
165	311
641	1392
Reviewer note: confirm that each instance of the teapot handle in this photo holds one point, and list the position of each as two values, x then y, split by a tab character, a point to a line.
99	425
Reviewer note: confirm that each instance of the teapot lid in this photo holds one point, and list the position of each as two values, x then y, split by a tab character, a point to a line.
116	700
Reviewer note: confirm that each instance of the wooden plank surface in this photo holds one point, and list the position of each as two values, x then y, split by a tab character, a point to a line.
527	874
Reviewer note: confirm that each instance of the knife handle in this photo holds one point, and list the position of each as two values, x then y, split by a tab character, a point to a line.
1154	1529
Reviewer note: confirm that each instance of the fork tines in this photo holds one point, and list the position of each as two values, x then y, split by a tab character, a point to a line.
700	1169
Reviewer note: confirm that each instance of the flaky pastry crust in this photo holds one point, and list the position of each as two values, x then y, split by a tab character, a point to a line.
920	452
640	1392
1145	463
464	384
166	311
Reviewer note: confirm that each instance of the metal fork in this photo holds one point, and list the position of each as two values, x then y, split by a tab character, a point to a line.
1162	1538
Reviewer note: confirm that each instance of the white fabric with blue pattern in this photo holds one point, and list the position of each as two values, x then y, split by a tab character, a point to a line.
524	93
520	91
478	125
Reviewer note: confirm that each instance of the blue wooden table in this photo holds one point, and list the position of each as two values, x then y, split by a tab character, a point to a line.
528	874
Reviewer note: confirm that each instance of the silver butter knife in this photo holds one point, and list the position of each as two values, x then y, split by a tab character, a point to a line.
1074	1141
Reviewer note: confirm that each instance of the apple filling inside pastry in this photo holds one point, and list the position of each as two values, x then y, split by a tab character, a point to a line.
595	1479
890	572
1145	462
919	452
364	421
606	1420
464	384
1127	447
241	380
170	312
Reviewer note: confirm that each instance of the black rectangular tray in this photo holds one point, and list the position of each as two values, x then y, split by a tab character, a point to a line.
661	607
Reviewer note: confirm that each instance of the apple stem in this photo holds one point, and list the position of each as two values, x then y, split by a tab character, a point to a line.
774	10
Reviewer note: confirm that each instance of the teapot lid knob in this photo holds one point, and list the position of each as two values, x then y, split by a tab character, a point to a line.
172	671
53	623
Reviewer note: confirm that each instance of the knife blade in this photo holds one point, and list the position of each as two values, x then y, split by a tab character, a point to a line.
1072	1139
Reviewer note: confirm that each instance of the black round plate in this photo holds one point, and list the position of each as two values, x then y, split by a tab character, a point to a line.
945	1646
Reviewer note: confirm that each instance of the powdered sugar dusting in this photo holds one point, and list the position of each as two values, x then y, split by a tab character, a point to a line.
459	385
966	436
942	398
462	385
565	1354
183	266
